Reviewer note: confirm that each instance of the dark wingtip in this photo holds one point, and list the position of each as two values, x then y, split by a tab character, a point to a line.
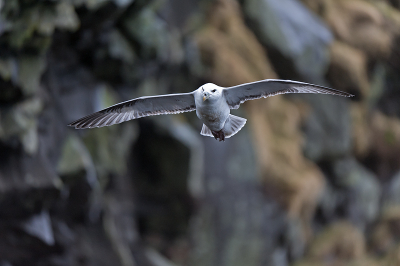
337	92
80	123
73	125
346	94
76	124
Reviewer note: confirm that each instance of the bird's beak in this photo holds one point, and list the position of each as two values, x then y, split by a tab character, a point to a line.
204	98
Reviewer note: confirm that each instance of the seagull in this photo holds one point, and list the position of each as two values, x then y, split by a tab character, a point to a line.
211	102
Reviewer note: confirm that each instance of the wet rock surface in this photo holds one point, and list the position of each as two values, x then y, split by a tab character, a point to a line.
310	180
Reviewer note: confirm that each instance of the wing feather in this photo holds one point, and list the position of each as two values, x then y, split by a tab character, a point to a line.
266	88
137	108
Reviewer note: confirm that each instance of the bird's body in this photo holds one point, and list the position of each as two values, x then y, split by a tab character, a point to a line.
213	111
211	102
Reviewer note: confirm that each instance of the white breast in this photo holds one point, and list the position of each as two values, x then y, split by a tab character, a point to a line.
212	114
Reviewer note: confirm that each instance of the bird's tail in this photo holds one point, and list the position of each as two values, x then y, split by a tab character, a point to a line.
205	131
233	125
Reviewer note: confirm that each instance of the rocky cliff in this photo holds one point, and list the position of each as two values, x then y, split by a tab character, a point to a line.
310	180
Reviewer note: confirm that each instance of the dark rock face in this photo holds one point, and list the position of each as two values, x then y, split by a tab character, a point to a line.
233	193
310	180
327	128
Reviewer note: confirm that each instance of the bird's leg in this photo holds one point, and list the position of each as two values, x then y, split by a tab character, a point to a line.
219	135
216	135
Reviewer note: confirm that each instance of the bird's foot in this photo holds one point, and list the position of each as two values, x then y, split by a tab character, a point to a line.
219	135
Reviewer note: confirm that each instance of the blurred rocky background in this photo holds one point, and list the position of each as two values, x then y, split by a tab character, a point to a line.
311	179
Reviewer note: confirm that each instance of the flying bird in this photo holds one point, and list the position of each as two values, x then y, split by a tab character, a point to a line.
211	102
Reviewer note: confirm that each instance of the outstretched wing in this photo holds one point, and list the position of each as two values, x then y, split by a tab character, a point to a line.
265	88
137	108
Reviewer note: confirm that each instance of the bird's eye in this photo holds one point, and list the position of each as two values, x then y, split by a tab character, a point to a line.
214	90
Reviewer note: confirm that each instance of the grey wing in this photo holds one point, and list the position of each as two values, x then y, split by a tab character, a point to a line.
265	88
137	108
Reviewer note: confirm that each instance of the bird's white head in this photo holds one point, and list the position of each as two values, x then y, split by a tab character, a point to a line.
210	92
